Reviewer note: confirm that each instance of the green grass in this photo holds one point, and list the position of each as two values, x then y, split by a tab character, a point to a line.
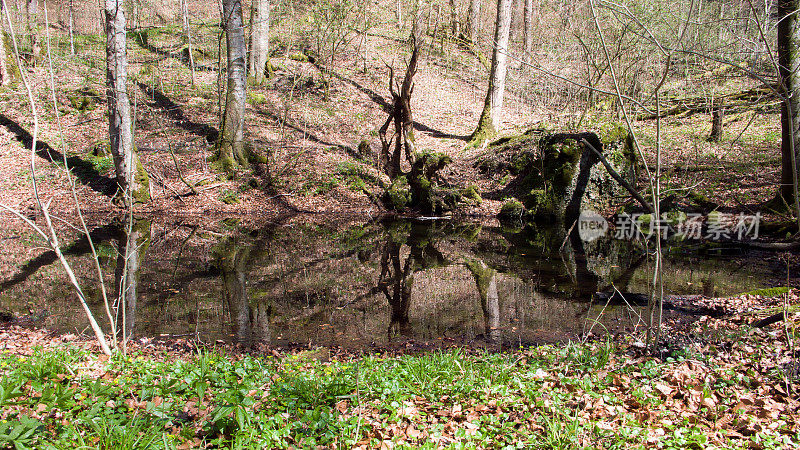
534	398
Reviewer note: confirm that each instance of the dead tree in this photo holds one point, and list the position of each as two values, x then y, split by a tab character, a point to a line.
403	137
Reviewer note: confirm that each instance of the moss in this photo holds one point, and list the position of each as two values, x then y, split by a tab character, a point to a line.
141	193
674	218
299	57
769	292
483	275
364	149
11	61
229	197
255	98
471	193
612	132
483	132
512	209
84	99
141	37
539	202
399	193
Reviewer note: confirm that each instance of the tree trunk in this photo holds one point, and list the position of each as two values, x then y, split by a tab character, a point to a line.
71	29
259	49
5	75
32	16
188	35
491	117
233	259
399	14
717	114
528	31
230	148
789	77
455	25
473	20
132	180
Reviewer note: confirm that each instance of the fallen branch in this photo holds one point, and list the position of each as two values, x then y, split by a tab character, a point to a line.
178	169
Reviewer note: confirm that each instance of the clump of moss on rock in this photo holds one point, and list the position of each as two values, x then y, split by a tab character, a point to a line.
556	175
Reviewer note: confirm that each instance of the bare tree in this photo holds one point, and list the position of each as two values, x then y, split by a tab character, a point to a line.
259	48
491	117
473	20
403	135
230	148
789	77
132	180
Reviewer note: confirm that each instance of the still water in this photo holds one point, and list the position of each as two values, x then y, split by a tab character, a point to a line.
358	285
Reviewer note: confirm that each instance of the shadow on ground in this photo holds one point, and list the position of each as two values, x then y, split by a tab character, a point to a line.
83	170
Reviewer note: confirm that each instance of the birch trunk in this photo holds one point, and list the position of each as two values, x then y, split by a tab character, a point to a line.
231	145
132	180
491	117
455	26
259	50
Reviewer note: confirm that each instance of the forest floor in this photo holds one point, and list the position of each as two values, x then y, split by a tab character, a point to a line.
309	124
715	383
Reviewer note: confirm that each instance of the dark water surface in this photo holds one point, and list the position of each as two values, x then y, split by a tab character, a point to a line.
358	285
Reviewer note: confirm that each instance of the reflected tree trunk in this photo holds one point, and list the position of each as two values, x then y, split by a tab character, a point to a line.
132	246
486	281
250	318
396	282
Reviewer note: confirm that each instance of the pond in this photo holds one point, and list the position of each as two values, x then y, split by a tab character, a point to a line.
368	284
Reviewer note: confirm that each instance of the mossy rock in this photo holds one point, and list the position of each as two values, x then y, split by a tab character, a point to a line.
398	196
512	210
472	193
365	149
555	175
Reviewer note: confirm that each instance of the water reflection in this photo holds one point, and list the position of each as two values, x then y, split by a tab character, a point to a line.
249	318
356	285
132	243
